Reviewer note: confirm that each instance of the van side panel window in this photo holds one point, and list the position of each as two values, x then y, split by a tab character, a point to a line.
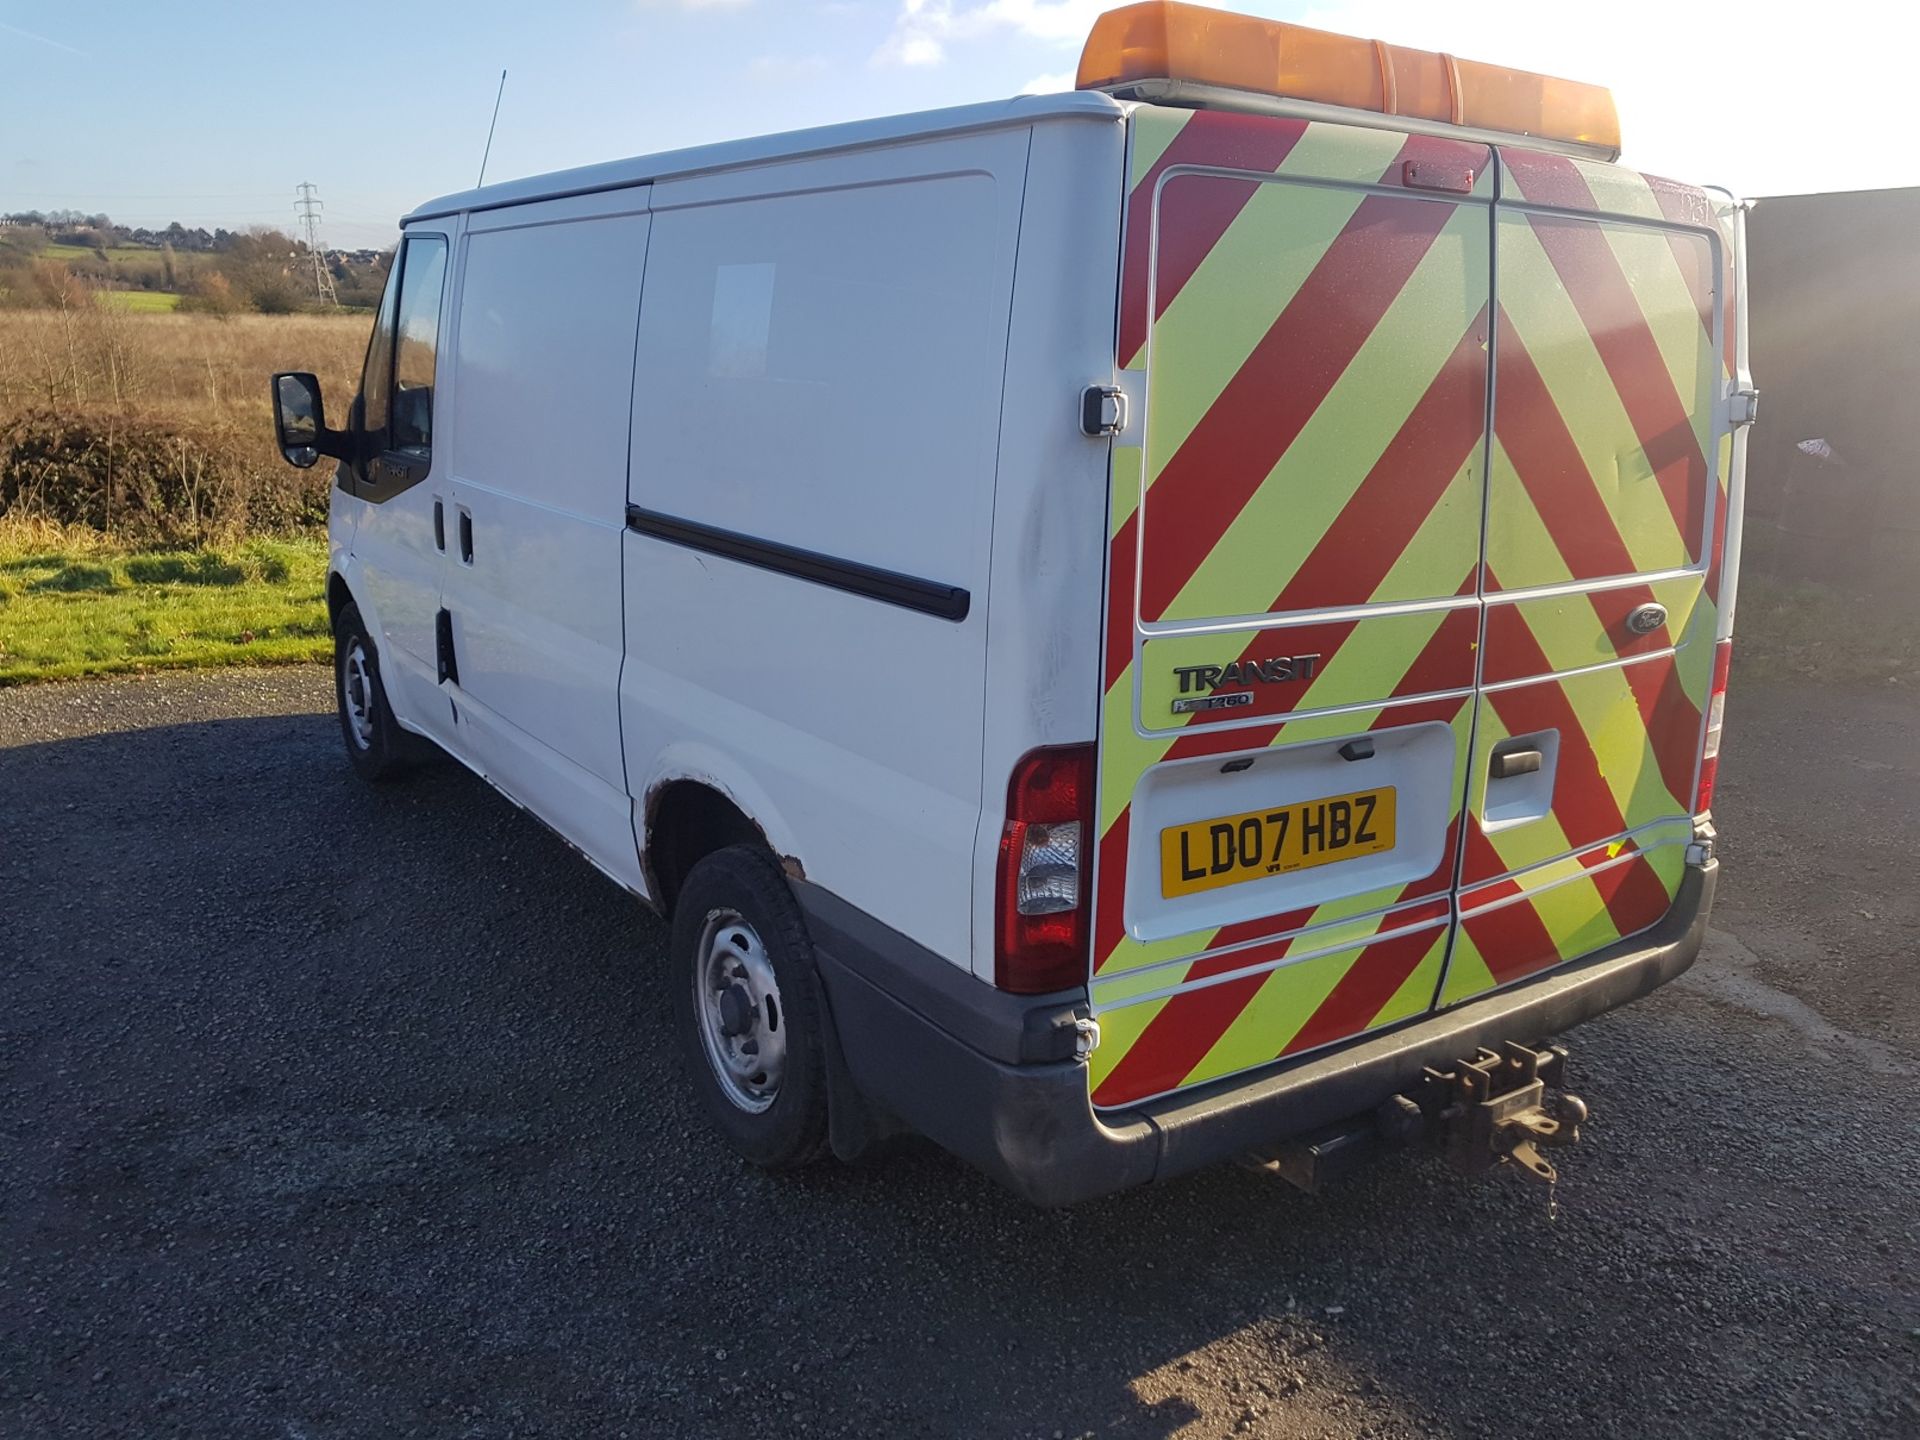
423	277
820	370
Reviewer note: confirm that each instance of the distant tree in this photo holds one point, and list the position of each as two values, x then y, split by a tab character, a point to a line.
274	294
360	285
19	243
59	287
170	274
210	294
260	266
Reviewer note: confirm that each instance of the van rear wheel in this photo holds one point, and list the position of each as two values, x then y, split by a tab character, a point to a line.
748	1010
376	745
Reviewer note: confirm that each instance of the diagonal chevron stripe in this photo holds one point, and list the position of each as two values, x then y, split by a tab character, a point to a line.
1306	350
1535	440
1577	390
1164	140
1611	314
1334	524
1310	446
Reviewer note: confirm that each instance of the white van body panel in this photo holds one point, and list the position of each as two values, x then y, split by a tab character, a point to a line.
761	467
1049	553
596	665
541	351
401	568
758	151
819	365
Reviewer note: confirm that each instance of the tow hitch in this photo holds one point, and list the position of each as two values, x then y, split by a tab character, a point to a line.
1501	1105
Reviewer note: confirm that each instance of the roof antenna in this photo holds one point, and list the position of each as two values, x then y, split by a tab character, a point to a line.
490	124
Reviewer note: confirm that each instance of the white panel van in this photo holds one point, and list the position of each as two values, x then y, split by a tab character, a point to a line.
1125	629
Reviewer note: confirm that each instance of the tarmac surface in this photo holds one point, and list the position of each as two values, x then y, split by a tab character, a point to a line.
328	1110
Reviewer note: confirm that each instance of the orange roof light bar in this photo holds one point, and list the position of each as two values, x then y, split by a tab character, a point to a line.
1165	41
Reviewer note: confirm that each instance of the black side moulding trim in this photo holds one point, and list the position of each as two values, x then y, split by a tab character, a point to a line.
929	597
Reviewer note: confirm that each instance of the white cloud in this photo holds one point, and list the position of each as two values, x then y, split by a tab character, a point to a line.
1049	84
923	28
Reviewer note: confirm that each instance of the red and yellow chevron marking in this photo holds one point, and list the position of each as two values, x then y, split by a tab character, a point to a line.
1519	926
1283	999
1317	358
1318	393
1605	464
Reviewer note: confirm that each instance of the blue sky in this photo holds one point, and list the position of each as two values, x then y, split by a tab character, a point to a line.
211	111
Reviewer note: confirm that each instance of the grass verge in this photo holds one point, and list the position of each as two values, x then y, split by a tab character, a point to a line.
72	604
138	302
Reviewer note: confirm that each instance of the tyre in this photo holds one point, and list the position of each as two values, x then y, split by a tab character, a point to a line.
748	1009
376	744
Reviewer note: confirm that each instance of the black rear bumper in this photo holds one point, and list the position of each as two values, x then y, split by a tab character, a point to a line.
992	1078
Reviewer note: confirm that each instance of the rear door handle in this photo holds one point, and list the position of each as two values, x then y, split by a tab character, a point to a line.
1509	763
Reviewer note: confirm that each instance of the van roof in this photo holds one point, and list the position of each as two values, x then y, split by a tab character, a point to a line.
759	149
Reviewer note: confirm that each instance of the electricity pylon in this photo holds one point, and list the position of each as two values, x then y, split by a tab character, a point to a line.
308	207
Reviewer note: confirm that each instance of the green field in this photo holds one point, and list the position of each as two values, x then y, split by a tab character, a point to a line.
71	609
139	302
117	254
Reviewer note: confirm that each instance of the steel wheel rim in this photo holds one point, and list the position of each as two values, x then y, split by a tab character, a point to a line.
356	695
736	1003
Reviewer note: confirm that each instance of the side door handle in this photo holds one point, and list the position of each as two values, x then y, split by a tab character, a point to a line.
439	524
466	536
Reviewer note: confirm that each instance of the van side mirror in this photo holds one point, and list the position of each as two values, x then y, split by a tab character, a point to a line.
300	420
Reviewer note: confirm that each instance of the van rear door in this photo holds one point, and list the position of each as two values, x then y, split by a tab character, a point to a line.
1293	607
1397	710
1607	518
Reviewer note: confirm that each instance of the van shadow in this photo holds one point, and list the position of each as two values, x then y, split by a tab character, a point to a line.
360	1107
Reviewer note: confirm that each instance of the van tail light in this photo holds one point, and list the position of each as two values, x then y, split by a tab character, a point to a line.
1045	871
1716	712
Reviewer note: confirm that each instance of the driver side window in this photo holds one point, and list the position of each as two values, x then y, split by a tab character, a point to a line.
396	387
416	343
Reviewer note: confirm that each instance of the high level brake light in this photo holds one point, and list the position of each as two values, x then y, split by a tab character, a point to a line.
1045	869
1716	712
1189	44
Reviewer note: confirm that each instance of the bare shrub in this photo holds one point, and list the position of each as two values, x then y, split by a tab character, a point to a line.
211	294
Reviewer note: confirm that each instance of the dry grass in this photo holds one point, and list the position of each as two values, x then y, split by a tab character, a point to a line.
127	410
87	356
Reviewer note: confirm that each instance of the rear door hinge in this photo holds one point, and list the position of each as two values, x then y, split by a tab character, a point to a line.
1103	410
1086	1036
1743	407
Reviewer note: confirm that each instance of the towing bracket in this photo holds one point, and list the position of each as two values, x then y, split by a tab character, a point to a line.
1500	1106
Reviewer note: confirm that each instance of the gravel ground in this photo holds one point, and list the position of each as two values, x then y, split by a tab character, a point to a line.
328	1111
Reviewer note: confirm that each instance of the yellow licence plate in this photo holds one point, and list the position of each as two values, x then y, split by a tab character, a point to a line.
1210	853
